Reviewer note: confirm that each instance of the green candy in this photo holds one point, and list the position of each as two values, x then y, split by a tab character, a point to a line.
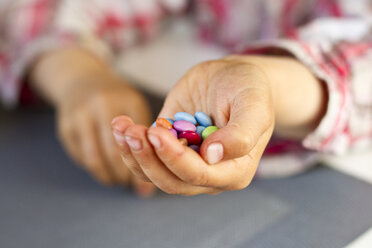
208	131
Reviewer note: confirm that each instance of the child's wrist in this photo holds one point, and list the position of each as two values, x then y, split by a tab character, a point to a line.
299	98
62	71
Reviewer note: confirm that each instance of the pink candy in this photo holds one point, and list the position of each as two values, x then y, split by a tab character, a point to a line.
182	126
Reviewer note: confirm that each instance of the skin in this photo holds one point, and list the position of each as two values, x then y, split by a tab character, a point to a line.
247	97
87	95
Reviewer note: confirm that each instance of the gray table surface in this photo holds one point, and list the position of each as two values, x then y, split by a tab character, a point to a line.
45	201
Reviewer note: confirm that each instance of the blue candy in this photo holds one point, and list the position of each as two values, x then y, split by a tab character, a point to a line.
199	130
203	119
182	116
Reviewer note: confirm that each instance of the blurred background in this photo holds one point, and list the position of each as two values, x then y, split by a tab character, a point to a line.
46	201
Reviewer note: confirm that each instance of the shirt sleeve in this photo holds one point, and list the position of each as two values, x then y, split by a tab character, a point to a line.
31	27
339	52
332	38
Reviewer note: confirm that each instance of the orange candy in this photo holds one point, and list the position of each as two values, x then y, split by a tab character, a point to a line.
161	122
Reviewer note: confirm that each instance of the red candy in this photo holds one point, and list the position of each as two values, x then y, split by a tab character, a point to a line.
193	138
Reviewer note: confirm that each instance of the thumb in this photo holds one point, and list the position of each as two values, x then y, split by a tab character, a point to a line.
251	116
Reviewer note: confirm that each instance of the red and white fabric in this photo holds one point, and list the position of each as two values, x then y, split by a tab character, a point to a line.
332	37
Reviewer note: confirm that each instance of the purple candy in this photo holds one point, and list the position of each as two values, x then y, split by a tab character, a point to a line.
182	126
174	132
193	138
195	148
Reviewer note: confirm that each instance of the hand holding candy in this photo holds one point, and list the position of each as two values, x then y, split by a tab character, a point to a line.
237	95
190	131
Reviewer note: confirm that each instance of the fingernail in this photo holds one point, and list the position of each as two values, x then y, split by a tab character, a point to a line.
120	139
135	144
154	140
214	153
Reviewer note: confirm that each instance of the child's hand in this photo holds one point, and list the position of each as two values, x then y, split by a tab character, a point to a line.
87	95
84	128
237	94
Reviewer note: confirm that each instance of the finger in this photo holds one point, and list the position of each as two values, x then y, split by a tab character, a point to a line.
170	108
92	156
119	125
155	170
239	172
111	152
69	138
190	167
175	101
143	189
250	117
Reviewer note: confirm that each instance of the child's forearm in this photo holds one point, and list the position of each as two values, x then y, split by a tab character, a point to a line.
56	73
300	99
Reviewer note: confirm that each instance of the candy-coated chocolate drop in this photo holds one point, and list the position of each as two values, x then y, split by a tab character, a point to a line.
195	148
161	122
183	116
170	120
182	125
203	119
174	132
208	131
183	141
199	130
188	129
193	138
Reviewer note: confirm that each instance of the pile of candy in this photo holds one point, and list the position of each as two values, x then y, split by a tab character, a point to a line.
189	130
